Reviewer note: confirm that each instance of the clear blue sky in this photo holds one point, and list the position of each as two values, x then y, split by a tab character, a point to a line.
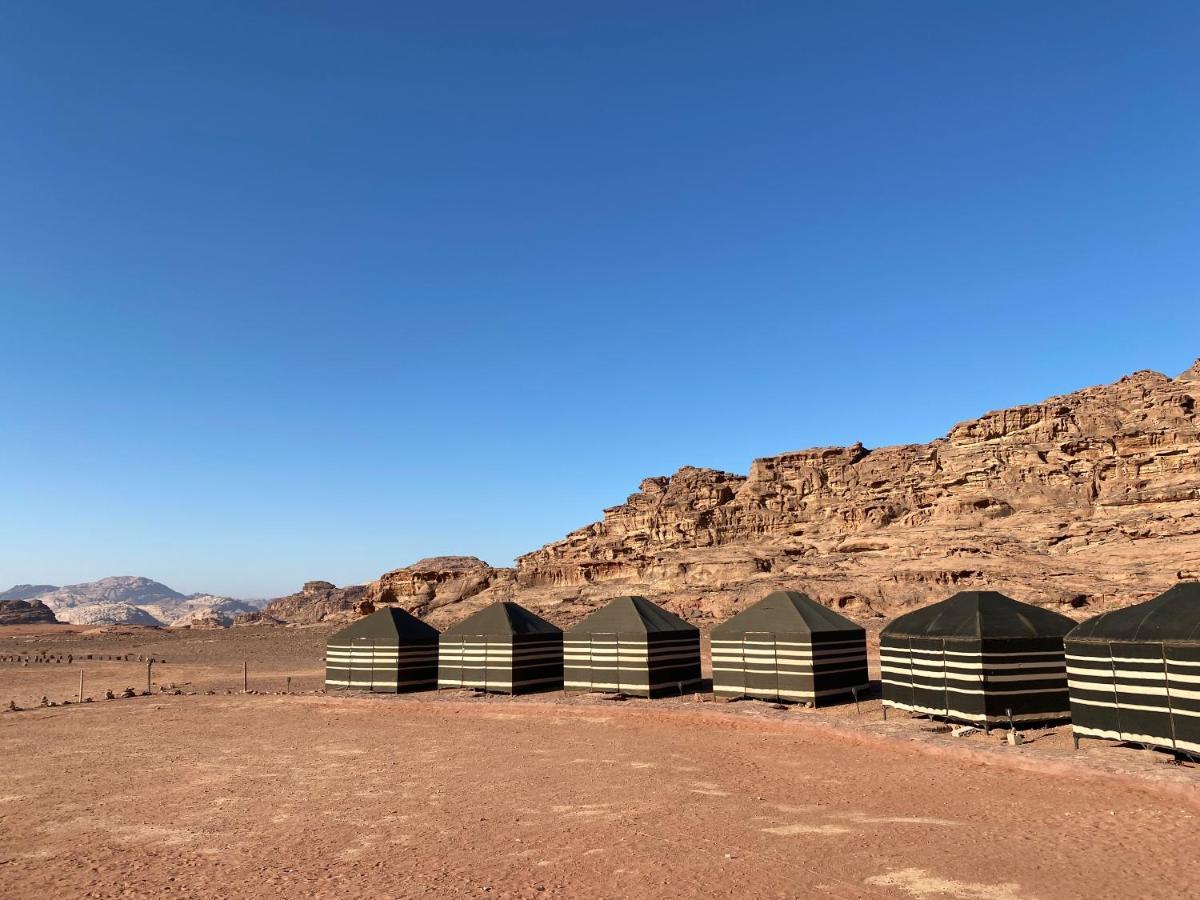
299	290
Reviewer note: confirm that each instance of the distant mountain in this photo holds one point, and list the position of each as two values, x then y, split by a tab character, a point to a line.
132	600
203	609
27	591
111	594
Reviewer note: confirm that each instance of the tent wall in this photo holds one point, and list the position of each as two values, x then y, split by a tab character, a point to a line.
507	664
976	681
639	664
374	664
788	667
1146	693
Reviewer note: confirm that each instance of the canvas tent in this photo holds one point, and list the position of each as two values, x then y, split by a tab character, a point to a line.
503	648
1135	672
389	650
632	646
976	656
788	647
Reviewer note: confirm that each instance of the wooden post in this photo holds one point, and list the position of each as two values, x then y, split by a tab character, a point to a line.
81	685
289	684
149	668
245	677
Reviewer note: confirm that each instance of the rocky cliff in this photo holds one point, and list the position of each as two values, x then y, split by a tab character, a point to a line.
25	612
1081	502
315	602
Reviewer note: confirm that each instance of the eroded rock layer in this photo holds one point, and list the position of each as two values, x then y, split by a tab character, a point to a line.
1085	500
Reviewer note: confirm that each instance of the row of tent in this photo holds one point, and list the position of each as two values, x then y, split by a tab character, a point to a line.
785	647
1131	674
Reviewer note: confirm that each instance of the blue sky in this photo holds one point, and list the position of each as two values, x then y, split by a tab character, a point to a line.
298	290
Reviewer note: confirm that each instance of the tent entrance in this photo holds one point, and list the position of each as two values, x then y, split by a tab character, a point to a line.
760	665
604	657
362	664
475	661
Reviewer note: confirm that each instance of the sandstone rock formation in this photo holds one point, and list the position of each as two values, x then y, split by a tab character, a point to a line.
256	618
204	610
429	587
106	614
1080	502
315	602
25	612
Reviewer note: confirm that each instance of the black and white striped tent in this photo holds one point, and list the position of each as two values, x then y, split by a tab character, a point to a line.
389	650
788	647
976	656
632	646
503	648
1135	672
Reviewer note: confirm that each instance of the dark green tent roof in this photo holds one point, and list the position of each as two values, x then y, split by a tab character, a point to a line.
786	612
389	623
631	615
503	619
1172	616
980	614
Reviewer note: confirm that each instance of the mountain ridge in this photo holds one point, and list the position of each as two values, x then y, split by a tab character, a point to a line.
1080	502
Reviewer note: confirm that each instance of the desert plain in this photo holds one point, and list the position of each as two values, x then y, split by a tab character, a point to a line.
203	789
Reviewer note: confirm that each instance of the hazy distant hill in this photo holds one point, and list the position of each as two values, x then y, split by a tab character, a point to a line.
131	600
27	591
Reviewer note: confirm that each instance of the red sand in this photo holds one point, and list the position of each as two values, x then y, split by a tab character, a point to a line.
436	794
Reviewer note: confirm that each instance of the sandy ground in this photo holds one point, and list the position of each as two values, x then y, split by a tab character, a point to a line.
450	794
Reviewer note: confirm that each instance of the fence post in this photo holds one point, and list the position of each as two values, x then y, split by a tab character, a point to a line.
81	685
289	684
245	677
149	668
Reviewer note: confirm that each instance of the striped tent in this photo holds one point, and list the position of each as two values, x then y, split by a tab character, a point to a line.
634	647
504	649
388	650
975	657
1135	672
788	647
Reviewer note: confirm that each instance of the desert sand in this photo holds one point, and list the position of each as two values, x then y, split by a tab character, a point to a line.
447	793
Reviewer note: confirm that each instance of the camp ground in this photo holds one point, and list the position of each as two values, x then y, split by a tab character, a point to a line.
389	651
788	648
979	657
632	646
1135	673
503	648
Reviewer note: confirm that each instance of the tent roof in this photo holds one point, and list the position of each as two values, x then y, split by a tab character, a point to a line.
787	611
389	623
503	619
980	614
1171	616
632	614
